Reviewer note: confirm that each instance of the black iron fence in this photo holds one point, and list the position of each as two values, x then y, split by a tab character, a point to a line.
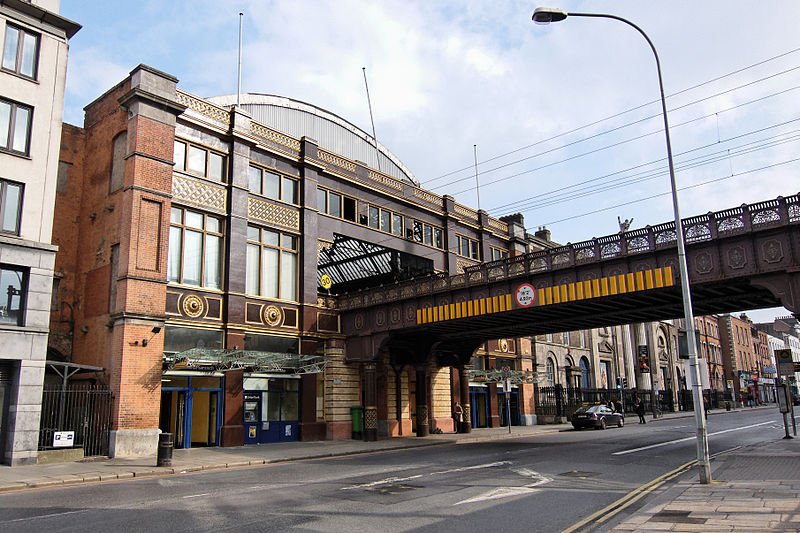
84	410
562	401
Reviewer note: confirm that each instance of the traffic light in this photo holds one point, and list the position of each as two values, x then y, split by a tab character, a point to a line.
624	382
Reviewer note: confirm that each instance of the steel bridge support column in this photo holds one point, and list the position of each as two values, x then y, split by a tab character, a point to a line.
463	378
370	403
423	425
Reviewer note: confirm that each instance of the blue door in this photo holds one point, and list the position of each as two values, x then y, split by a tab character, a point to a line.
514	400
479	407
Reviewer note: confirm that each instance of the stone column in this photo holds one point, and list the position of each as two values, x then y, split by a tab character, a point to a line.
423	426
370	403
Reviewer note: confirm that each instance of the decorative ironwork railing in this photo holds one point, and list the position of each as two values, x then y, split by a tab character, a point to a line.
781	211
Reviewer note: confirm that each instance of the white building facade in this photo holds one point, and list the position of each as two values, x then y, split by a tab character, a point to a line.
32	79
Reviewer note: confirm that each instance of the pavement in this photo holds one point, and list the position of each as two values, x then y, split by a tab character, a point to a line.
755	488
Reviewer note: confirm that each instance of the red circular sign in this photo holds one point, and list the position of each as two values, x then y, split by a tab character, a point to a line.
525	295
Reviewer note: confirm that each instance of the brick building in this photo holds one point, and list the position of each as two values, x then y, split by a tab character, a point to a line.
32	77
738	357
201	244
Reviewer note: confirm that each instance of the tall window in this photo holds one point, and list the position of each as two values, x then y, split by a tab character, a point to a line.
199	161
427	234
272	185
584	372
498	254
13	285
271	264
550	368
468	247
195	249
20	51
385	220
336	204
10	206
15	126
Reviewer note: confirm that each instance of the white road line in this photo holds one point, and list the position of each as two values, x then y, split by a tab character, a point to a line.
660	444
502	492
386	481
43	516
197	495
474	467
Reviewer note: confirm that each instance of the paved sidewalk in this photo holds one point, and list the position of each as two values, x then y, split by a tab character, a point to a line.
754	488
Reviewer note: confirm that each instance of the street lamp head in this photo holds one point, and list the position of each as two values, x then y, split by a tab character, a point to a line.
546	15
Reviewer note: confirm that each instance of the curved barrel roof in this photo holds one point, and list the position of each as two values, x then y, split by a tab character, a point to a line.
331	131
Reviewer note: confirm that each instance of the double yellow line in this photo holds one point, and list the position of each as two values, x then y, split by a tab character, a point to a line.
612	509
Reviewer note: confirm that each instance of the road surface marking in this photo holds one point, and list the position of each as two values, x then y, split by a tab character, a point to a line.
386	481
506	492
660	444
51	515
474	467
502	492
197	495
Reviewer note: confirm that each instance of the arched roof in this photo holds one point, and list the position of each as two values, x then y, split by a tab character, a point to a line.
331	131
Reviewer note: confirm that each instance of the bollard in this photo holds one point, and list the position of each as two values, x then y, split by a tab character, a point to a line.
164	450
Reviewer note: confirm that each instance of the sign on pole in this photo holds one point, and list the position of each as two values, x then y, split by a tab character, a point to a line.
785	363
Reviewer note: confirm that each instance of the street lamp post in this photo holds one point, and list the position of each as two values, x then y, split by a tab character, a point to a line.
544	15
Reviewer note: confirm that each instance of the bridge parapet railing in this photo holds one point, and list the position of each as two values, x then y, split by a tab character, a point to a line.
769	213
562	257
664	235
793	208
639	240
610	246
586	252
731	222
697	228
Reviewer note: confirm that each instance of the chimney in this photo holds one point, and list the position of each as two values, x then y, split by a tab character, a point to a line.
543	233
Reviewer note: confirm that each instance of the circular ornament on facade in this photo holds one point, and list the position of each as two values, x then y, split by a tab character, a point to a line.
395	315
271	315
736	258
503	344
380	318
411	313
359	321
193	306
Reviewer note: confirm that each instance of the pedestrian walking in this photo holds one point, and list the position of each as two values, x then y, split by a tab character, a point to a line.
639	408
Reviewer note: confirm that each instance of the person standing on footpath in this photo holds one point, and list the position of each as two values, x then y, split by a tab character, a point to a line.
458	416
639	408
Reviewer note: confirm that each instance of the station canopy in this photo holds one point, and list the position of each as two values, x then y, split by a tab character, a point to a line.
353	264
207	359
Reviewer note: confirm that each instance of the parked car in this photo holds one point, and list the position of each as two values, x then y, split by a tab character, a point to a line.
598	417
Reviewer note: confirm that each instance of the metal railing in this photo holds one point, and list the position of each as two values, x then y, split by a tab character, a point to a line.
84	410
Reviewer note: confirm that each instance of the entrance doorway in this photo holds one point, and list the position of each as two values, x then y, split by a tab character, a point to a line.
479	403
514	401
191	410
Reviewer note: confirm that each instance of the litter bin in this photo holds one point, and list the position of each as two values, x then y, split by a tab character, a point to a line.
727	406
357	414
164	457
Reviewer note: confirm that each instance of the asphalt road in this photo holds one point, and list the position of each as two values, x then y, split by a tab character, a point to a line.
547	483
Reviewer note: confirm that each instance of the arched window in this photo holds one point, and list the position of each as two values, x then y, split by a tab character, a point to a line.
584	373
550	367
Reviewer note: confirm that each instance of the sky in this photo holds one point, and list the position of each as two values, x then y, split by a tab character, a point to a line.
565	119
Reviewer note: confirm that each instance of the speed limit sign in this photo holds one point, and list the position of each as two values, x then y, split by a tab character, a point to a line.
525	295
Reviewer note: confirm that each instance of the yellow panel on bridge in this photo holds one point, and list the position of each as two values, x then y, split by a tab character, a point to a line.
655	278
